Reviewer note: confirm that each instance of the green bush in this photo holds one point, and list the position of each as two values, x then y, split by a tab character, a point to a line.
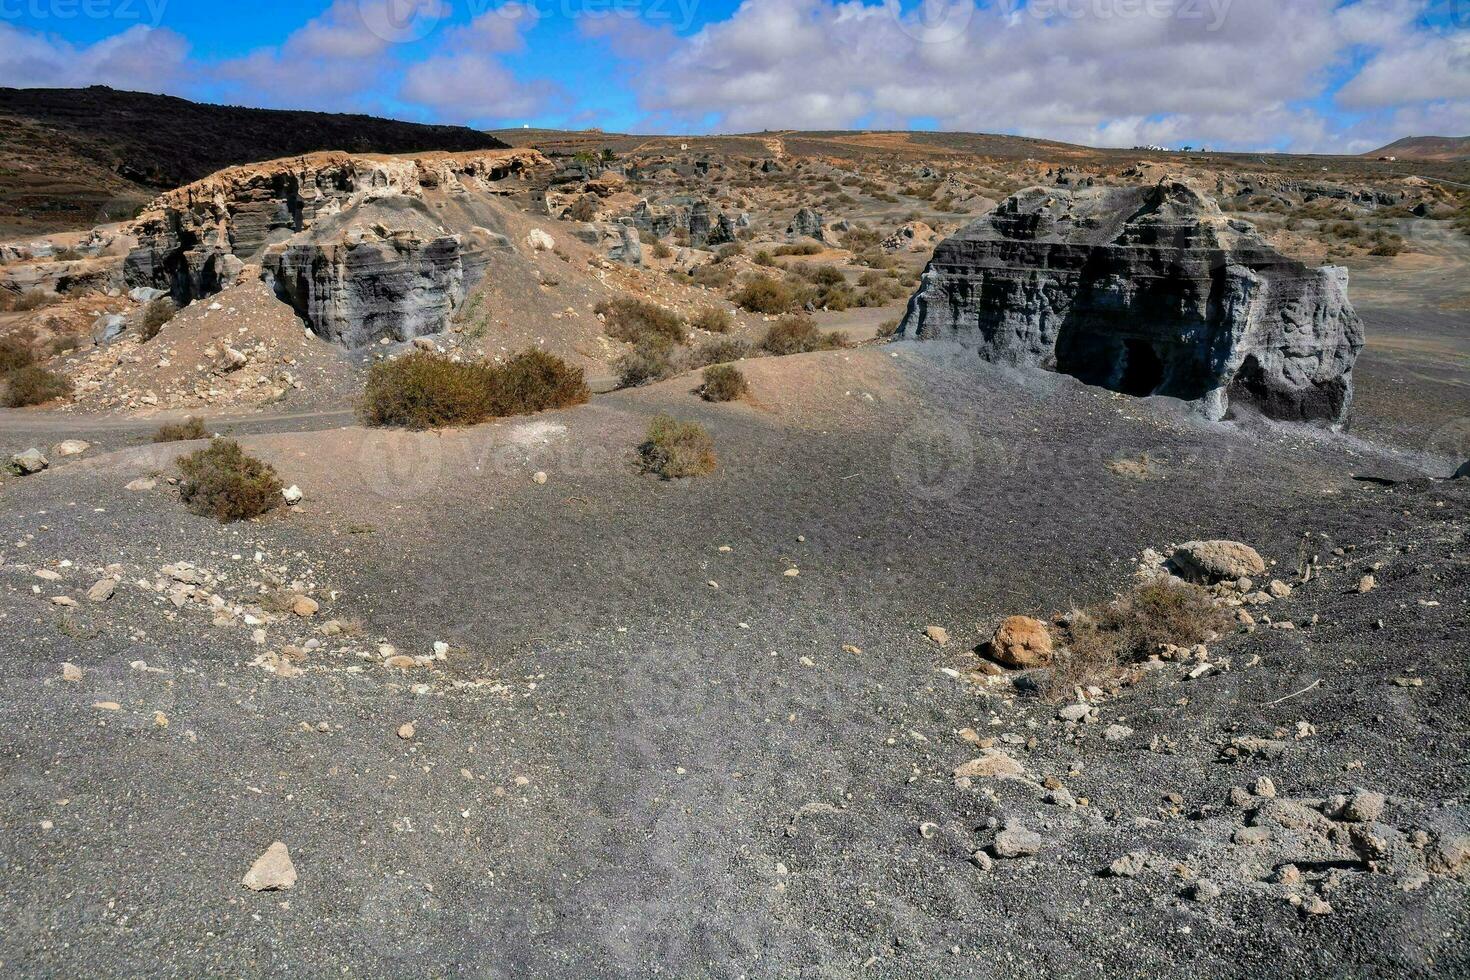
723	383
713	319
631	320
799	335
15	354
186	431
763	258
426	390
675	450
34	385
222	482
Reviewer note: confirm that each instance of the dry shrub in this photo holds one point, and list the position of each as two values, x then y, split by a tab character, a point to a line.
15	354
32	299
222	482
763	294
535	381
427	390
719	351
34	385
723	383
800	248
1099	640
799	335
675	449
186	431
632	320
888	327
583	208
155	315
713	319
649	361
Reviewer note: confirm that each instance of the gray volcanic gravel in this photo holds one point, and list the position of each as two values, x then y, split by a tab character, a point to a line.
622	769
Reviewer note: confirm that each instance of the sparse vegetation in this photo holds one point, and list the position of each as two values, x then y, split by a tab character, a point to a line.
1100	640
633	320
34	385
713	319
676	450
32	300
799	335
425	390
763	294
223	482
719	351
650	360
15	354
186	431
155	315
723	383
800	248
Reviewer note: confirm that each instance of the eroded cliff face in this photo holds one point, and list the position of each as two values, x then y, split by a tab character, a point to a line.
1148	291
362	246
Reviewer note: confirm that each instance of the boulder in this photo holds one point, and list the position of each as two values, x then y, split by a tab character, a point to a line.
1216	561
1022	642
28	462
272	871
628	247
1147	290
806	223
71	447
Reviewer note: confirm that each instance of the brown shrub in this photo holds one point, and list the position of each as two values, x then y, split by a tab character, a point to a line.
15	354
34	385
186	431
649	361
723	383
799	335
763	294
535	381
630	319
1099	640
583	208
800	248
426	390
31	300
155	315
713	319
675	449
222	482
719	351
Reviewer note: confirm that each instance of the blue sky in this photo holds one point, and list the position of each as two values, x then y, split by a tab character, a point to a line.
1310	75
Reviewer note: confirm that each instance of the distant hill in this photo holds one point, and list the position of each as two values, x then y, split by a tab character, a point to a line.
68	154
1446	148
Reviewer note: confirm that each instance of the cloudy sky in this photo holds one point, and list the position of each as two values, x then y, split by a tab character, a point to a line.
1303	75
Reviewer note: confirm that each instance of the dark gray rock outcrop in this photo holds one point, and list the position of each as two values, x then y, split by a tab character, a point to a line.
1149	291
1463	473
363	247
806	223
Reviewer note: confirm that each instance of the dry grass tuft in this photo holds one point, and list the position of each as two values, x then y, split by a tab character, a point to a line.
634	320
675	450
1100	640
186	431
799	335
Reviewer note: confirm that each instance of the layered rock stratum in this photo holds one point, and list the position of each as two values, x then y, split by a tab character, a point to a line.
1147	290
363	247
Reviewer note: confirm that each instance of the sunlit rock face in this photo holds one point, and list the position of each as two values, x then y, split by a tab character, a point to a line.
1148	291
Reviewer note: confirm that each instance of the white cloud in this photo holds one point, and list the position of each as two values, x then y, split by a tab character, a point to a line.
1227	73
467	82
147	58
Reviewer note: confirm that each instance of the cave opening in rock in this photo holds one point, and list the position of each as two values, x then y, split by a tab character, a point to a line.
1143	371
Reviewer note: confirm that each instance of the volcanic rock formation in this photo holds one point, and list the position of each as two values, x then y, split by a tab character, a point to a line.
362	246
1148	291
